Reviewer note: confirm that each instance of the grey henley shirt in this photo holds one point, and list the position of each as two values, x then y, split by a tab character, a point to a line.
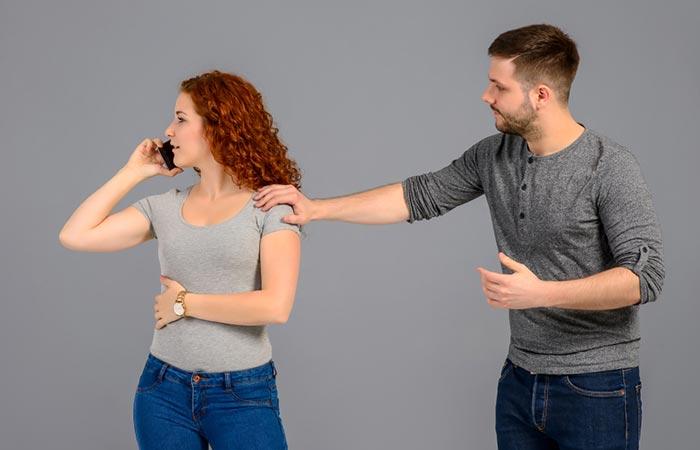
568	215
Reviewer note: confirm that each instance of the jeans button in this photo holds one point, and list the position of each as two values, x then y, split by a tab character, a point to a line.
196	378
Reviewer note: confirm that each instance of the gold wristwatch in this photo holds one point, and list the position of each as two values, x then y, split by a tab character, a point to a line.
179	305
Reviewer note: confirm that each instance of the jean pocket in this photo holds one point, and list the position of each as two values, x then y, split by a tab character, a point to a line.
505	370
597	384
257	392
151	377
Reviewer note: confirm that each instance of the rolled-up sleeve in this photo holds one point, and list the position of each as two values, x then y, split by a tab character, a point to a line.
434	193
630	222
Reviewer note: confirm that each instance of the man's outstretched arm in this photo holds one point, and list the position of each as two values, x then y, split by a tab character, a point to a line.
418	197
381	205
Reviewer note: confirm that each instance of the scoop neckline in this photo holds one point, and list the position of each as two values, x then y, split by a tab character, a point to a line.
213	225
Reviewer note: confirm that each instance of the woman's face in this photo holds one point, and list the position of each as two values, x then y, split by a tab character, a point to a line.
185	133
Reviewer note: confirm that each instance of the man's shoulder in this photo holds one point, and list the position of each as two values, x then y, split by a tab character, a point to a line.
490	144
499	145
498	140
610	152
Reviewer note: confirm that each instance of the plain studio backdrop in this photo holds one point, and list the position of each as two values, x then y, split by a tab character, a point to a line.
391	344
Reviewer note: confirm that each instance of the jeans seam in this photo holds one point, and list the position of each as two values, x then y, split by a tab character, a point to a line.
159	379
279	420
638	388
624	383
546	398
533	404
506	372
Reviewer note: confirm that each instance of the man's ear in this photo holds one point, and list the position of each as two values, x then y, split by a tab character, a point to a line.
542	95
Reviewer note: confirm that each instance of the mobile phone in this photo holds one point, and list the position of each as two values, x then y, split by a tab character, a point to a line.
166	151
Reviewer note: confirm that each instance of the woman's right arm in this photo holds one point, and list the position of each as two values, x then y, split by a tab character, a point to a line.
91	227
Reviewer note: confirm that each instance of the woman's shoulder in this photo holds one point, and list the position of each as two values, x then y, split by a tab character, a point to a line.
273	218
162	198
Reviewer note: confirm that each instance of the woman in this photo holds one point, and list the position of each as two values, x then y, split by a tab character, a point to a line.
228	269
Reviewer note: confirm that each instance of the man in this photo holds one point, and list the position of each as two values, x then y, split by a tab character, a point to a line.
579	243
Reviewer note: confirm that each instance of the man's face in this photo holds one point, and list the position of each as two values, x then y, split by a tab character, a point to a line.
511	106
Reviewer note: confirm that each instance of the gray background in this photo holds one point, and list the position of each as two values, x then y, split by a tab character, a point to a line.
391	344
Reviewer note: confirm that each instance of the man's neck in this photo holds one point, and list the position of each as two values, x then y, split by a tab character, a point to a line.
556	136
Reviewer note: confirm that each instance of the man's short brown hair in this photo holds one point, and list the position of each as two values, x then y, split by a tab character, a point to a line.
543	54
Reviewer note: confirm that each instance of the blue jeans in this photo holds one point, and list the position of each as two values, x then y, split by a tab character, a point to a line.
177	409
599	410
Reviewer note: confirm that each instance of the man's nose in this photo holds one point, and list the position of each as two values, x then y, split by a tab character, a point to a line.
486	98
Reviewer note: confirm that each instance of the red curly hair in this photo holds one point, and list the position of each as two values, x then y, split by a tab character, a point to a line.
240	132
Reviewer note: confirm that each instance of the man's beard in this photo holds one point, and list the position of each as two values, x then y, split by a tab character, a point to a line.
522	122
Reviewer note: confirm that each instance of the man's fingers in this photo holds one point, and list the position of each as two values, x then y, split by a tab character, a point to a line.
276	198
492	292
294	219
510	263
495	304
493	277
272	190
265	189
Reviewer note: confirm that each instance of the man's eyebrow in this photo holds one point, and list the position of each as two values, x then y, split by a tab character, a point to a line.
495	81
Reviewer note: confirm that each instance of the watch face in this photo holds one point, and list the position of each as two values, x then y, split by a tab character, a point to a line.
179	310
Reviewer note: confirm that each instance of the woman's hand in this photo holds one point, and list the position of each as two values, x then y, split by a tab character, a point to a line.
164	302
147	162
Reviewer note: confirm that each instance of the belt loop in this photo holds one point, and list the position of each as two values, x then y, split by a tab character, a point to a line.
227	381
274	369
161	374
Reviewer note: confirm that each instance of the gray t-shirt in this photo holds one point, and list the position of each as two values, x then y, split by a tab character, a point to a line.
214	259
568	215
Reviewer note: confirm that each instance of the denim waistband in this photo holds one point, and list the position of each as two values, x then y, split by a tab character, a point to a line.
202	378
623	370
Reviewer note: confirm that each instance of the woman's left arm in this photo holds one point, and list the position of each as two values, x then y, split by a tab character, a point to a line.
280	254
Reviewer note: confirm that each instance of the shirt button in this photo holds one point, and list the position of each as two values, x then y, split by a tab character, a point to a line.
522	215
523	187
529	160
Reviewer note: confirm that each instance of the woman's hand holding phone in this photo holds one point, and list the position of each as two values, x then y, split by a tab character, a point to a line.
147	161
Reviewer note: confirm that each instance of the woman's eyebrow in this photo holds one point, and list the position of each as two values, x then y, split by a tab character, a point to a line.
181	112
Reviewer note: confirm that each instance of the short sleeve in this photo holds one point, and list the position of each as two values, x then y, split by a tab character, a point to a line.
145	205
272	220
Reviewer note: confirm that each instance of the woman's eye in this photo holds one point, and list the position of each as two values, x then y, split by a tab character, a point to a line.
180	120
